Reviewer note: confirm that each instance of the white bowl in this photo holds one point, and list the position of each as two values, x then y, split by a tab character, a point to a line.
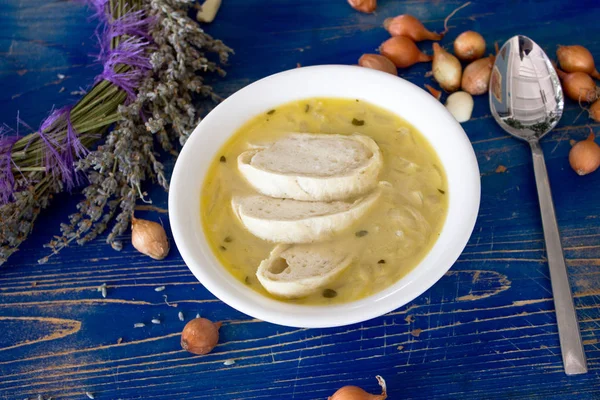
389	92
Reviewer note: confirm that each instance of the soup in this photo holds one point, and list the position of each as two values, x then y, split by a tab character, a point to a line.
386	243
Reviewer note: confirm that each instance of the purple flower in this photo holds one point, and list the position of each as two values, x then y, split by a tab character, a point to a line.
59	157
131	52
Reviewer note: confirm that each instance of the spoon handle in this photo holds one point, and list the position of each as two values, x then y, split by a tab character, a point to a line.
571	346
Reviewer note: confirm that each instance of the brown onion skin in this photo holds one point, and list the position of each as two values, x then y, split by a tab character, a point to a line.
594	111
469	46
411	27
378	62
365	6
584	156
403	52
576	59
578	86
476	76
200	336
355	393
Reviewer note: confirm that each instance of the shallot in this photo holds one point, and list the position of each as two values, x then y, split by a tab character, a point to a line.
366	6
577	59
476	76
356	393
446	69
469	46
594	111
403	52
578	86
584	157
409	26
378	62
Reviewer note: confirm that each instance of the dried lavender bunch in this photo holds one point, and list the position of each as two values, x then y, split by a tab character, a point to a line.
153	57
161	115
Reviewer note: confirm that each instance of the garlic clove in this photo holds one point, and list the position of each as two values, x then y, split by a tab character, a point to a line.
460	105
149	238
208	11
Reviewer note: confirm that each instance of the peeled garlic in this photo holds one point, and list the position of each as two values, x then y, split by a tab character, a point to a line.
208	11
460	105
149	238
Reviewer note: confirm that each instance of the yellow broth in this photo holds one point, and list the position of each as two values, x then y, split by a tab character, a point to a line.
400	229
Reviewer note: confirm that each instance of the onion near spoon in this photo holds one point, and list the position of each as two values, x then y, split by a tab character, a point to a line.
584	157
409	26
403	52
469	46
594	111
476	76
577	59
378	62
446	68
578	86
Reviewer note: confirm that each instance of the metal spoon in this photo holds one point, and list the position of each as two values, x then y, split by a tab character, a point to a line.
526	99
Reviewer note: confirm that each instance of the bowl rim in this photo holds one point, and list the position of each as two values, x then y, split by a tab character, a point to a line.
198	256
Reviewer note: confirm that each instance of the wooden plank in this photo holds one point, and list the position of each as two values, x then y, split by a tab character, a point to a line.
486	330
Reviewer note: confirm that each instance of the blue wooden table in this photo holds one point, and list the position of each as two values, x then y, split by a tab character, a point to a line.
487	330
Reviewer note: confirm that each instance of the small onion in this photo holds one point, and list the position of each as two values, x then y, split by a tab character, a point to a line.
578	86
577	59
584	157
149	238
446	69
356	393
200	336
403	52
378	62
476	76
366	6
409	26
469	46
594	111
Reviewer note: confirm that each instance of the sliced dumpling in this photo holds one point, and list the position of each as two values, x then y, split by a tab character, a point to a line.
313	167
301	269
293	221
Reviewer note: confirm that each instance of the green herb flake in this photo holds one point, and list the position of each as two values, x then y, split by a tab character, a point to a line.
222	248
271	112
306	108
223	159
329	293
228	239
381	262
361	233
442	191
357	122
247	280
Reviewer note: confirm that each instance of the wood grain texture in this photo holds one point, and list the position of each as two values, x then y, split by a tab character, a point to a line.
487	330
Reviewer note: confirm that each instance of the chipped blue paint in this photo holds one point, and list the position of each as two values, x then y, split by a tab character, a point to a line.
487	330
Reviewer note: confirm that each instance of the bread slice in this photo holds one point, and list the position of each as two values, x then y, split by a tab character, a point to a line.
294	221
301	269
313	167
